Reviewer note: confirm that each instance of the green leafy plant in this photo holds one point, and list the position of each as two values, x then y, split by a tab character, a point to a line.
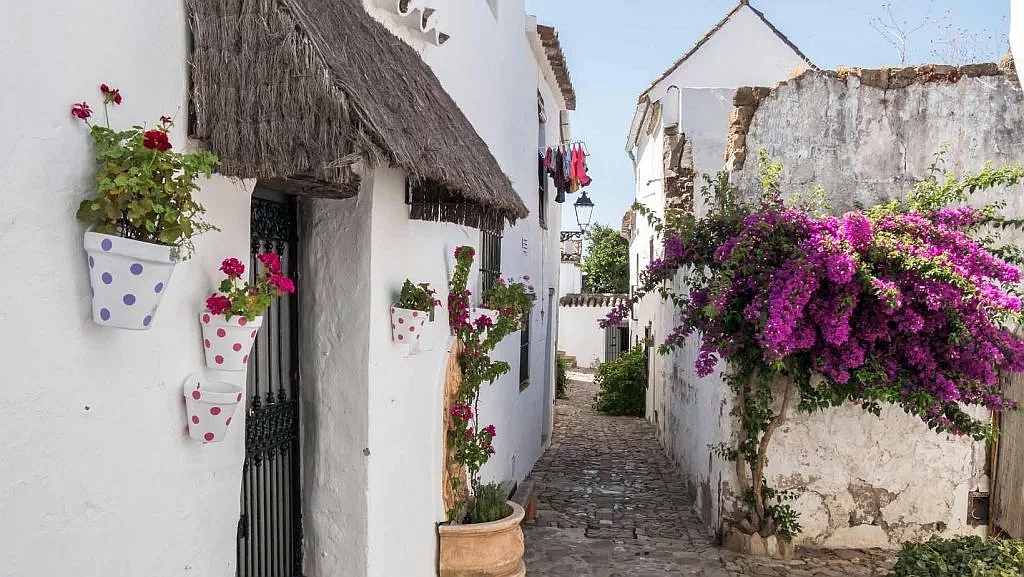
490	503
561	379
249	300
144	187
418	297
512	298
607	261
623	384
961	557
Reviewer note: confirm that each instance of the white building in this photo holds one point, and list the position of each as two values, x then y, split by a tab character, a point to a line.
855	487
679	132
361	144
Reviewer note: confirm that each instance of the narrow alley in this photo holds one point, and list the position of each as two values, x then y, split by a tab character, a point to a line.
612	505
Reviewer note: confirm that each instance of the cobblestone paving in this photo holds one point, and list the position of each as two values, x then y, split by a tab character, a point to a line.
611	505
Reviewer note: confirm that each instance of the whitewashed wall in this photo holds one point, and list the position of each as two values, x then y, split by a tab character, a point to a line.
99	476
580	336
390	450
570	279
334	349
743	51
688	415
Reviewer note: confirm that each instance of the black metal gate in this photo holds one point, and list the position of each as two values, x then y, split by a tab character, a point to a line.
270	526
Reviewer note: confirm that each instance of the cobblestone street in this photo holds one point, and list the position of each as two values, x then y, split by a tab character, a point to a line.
611	505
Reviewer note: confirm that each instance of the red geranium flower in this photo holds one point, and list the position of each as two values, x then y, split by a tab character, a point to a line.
167	121
217	304
282	283
232	267
271	261
156	140
110	94
81	110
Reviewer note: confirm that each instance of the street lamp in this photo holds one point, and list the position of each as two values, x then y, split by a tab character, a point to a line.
584	208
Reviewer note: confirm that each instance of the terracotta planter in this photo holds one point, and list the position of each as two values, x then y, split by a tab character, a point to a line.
484	549
128	278
228	342
209	407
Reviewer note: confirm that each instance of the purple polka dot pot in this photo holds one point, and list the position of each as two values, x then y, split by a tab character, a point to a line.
128	279
210	407
227	343
407	328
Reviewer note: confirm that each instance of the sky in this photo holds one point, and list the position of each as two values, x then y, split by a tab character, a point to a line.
615	49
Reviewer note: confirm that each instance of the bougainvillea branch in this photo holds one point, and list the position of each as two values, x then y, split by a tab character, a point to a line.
910	303
471	444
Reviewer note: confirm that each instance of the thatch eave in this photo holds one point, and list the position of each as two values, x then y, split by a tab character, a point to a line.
297	92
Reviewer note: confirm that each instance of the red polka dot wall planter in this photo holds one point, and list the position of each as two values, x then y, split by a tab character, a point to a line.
408	329
227	342
128	277
209	407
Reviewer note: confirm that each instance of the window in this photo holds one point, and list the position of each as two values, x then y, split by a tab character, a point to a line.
524	354
542	175
490	259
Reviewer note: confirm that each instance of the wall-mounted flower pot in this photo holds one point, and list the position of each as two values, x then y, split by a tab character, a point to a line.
228	342
128	277
484	549
209	407
408	326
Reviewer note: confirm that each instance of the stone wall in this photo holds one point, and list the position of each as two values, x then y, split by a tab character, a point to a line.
866	136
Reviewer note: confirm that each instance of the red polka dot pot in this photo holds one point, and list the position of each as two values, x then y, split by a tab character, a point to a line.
128	277
407	328
209	408
227	343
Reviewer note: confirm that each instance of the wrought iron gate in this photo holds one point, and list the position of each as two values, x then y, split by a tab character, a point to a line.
270	526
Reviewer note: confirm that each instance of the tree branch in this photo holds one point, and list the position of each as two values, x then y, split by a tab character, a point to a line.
762	450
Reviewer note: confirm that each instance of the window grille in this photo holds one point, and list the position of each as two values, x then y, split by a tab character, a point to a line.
490	259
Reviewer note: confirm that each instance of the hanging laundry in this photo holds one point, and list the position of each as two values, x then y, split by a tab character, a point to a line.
584	178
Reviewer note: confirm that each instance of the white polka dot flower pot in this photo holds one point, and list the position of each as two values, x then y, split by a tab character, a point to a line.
129	277
228	342
210	406
408	327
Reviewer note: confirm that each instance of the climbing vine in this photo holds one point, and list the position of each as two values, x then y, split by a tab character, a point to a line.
470	444
908	303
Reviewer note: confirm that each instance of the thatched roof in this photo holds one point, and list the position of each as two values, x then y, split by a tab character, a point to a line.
296	91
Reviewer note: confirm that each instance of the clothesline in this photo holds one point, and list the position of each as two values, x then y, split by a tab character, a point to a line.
563	146
566	164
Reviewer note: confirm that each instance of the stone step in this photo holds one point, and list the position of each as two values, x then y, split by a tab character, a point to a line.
526	497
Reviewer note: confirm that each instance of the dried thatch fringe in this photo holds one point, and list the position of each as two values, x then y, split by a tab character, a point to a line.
432	202
282	88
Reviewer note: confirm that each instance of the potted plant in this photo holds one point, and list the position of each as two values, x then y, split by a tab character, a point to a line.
482	536
234	314
210	406
511	298
143	217
409	317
